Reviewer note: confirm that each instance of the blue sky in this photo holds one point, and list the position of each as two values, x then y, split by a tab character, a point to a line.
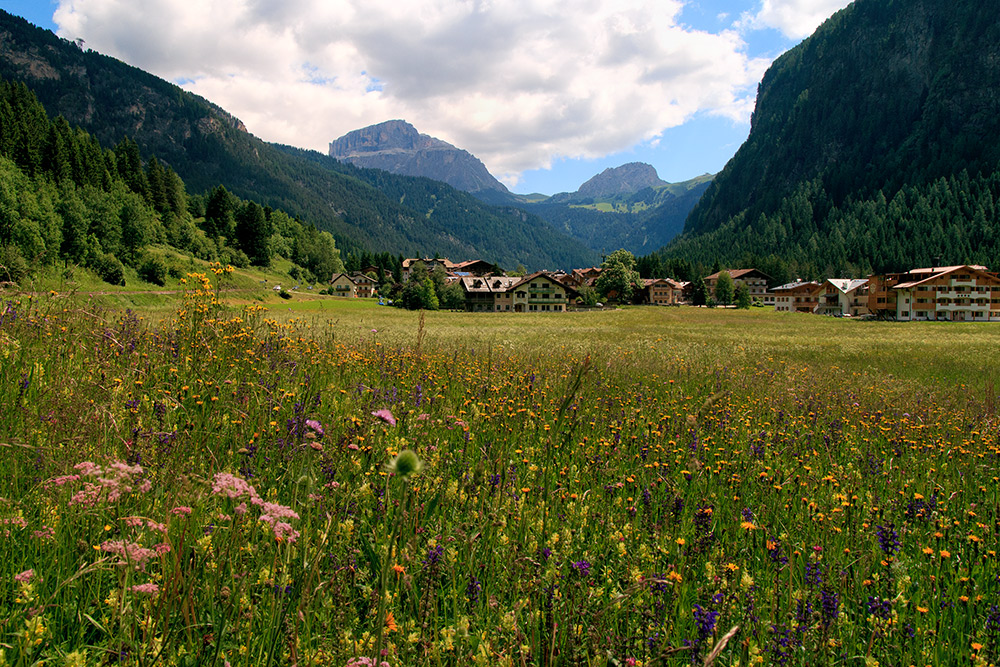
547	93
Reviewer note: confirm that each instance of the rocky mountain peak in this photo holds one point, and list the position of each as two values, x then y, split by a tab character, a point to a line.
392	135
397	147
626	179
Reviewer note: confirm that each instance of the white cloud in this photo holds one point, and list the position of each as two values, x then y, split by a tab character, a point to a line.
795	18
519	83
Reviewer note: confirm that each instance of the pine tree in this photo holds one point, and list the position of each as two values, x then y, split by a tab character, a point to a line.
253	233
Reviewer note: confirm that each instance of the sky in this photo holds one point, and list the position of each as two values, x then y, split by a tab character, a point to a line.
547	93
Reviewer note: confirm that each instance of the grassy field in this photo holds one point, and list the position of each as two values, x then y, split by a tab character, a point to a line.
318	481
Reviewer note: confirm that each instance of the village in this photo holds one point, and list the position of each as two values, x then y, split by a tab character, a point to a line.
962	293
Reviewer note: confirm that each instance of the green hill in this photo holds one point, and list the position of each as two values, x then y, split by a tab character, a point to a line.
872	147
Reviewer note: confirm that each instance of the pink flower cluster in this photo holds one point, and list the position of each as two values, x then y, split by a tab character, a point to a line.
229	485
17	521
45	533
234	487
365	661
148	589
386	416
24	577
315	427
111	482
139	522
283	531
132	553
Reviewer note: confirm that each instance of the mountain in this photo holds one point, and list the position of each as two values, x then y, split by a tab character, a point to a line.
872	147
397	147
627	179
625	207
206	147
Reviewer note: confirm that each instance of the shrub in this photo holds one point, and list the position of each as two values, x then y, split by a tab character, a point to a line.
13	266
153	270
108	268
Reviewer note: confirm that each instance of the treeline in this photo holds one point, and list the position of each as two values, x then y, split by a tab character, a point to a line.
64	197
949	221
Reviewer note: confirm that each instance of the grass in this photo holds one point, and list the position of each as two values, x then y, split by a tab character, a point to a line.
212	484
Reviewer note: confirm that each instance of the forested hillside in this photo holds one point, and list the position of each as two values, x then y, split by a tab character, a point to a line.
207	147
64	198
515	237
873	147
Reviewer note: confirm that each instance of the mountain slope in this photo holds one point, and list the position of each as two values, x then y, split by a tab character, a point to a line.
207	146
883	101
639	221
397	147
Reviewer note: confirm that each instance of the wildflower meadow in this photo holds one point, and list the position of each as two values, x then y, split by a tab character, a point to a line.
237	485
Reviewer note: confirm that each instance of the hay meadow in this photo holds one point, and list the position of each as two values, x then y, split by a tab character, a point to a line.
227	478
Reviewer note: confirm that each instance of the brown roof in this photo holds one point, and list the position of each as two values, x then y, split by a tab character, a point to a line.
738	273
933	273
443	261
542	274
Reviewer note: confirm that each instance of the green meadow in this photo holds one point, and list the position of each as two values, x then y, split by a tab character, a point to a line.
209	474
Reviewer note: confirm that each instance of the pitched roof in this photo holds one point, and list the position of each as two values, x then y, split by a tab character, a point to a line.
795	285
485	284
738	273
653	281
925	275
443	261
543	274
846	285
337	275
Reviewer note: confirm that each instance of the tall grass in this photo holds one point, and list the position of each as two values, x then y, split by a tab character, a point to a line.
617	488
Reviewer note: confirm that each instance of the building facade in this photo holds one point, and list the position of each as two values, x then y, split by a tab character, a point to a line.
964	293
343	285
756	281
661	292
797	297
538	292
845	297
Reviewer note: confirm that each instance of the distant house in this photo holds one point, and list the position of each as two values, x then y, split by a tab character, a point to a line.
343	285
799	296
364	286
488	293
843	296
661	291
477	267
756	281
579	277
431	263
472	267
538	292
964	293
